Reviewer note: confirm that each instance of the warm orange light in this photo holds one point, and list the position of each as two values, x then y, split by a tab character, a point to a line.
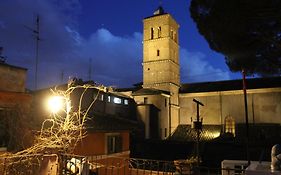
56	103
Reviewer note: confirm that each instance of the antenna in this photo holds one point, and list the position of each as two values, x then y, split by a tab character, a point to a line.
37	50
36	32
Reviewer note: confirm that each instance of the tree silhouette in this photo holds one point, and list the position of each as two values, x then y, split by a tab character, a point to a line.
246	32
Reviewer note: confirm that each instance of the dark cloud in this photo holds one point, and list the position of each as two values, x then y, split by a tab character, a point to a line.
18	39
64	53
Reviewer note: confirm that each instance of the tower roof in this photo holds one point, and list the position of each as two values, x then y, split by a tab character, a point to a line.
159	11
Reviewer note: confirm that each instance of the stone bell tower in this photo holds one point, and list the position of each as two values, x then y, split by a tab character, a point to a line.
161	68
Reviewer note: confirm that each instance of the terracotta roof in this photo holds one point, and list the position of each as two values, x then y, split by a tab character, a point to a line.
254	83
186	133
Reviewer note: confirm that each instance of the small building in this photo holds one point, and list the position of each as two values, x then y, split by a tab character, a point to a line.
15	105
110	121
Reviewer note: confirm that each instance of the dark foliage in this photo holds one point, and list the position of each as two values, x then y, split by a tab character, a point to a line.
246	32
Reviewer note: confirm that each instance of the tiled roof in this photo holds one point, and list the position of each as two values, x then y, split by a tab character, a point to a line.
186	133
103	122
254	83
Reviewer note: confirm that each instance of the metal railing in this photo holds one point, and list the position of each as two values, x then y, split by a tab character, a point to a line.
66	164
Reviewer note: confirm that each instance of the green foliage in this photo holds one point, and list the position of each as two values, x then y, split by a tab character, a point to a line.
246	32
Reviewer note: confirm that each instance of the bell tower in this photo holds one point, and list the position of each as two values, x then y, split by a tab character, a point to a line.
161	70
161	52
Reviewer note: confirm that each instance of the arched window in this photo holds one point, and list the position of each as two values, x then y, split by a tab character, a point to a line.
159	32
229	125
151	33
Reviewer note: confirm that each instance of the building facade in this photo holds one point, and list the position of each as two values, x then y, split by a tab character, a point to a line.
165	105
15	104
110	117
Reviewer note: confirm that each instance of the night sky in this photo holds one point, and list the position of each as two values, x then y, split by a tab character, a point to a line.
104	35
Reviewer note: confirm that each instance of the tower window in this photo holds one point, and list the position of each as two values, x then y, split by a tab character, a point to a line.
158	52
175	37
172	34
145	100
151	33
159	32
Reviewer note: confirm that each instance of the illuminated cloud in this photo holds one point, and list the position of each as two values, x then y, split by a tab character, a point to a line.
196	68
115	60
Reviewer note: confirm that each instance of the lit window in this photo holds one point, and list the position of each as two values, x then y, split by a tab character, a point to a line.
229	125
101	97
158	52
117	100
108	98
114	144
126	102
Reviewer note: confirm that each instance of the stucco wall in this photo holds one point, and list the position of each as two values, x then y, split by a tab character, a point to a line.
96	143
14	114
264	106
12	78
159	102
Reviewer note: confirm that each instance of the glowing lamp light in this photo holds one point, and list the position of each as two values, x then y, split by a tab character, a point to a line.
56	103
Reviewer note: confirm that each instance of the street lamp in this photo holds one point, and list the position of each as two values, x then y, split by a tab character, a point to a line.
56	104
60	103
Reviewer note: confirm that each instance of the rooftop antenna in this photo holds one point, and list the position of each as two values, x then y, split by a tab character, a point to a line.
36	33
37	38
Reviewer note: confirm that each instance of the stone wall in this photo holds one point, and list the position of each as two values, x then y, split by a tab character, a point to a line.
264	106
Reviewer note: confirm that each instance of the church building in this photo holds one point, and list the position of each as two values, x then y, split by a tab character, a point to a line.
165	105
